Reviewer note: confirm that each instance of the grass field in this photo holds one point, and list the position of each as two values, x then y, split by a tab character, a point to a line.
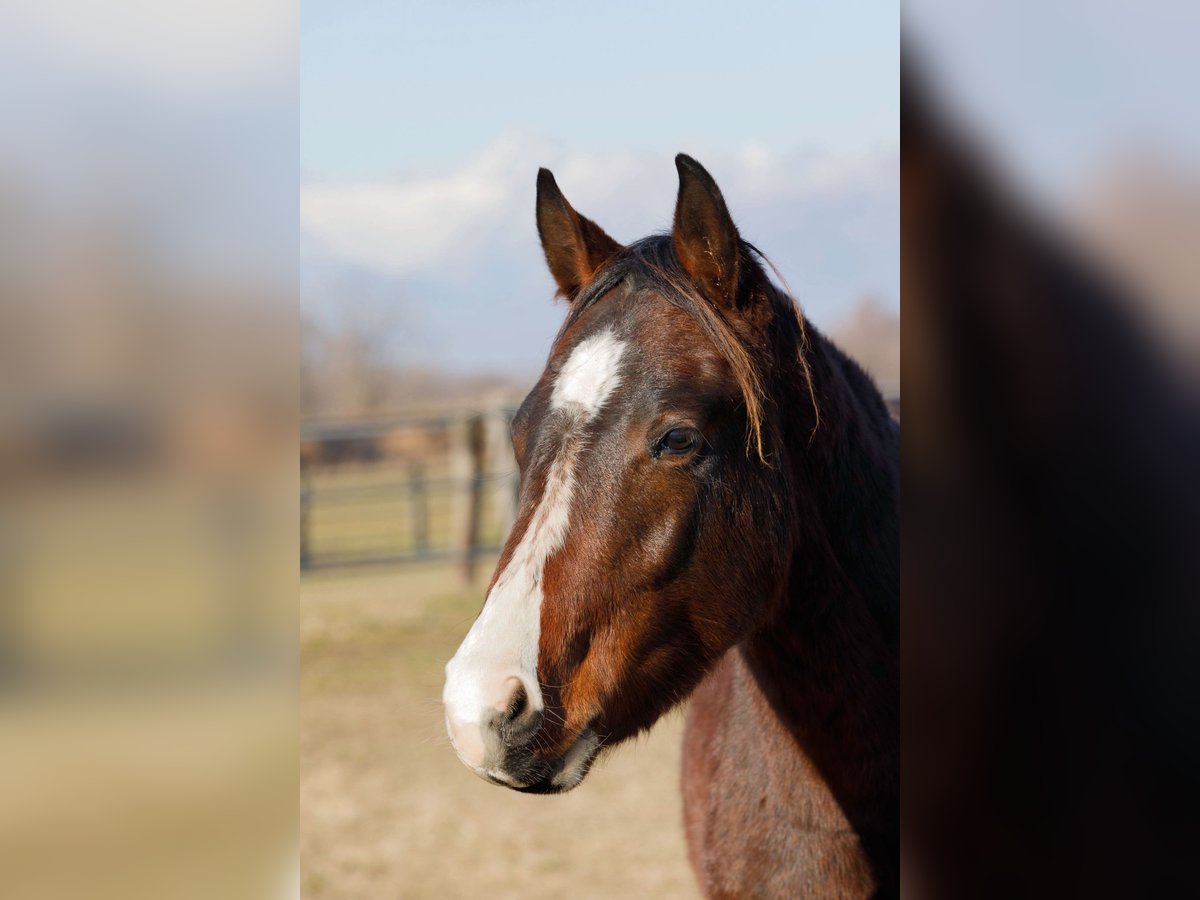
388	811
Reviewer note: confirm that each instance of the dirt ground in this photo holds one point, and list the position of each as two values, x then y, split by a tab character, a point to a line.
388	811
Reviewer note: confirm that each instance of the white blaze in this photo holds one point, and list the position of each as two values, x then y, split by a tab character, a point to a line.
589	375
503	642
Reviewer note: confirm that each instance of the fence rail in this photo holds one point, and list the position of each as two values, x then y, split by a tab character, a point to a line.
451	498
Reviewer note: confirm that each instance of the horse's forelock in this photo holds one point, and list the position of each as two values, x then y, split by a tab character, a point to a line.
652	264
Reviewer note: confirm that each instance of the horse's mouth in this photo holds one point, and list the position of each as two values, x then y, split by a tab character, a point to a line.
535	776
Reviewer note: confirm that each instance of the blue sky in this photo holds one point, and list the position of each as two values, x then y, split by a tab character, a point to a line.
389	86
423	125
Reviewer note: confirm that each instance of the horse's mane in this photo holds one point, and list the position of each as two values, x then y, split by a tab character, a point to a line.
653	265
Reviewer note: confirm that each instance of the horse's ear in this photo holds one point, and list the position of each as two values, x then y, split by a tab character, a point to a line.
575	246
706	240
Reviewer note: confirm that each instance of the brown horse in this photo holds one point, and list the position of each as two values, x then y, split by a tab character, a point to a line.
709	507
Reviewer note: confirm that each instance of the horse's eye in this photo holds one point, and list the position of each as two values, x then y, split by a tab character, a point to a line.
679	440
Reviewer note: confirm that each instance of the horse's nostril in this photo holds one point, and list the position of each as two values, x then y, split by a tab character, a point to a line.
518	704
519	720
521	729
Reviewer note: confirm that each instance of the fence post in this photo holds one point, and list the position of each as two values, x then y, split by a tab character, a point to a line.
502	510
418	498
305	525
476	439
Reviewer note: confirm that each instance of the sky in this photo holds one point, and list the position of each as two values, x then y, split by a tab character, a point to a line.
423	126
390	87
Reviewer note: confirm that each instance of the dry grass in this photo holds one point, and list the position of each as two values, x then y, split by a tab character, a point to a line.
387	810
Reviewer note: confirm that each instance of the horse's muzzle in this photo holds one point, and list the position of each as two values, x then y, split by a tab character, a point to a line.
500	749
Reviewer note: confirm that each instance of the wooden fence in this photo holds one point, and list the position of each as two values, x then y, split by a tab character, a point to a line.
408	490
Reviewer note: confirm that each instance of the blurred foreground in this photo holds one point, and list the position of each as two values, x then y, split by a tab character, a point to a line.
1051	572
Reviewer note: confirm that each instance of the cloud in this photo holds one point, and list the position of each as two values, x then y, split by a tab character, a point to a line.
465	235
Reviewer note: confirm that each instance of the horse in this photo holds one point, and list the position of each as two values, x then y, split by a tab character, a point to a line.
708	508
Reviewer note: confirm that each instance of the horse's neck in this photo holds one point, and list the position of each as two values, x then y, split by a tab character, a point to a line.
828	661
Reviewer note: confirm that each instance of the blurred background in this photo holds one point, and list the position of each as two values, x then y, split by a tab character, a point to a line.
428	313
148	496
